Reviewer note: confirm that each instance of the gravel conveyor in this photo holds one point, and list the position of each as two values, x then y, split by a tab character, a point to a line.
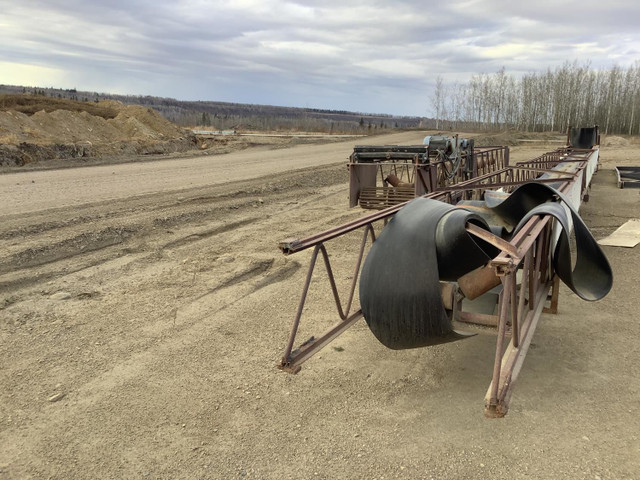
503	238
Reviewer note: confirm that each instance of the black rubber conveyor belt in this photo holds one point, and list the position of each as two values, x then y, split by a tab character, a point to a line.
427	242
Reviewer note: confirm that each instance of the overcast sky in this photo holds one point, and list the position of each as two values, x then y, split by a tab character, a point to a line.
367	56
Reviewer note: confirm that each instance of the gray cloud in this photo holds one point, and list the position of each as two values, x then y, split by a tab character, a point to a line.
368	56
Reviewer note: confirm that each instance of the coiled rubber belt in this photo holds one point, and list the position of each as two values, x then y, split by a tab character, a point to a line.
426	242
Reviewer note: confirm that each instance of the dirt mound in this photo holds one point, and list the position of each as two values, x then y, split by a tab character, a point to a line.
30	104
497	139
142	122
614	141
71	132
513	139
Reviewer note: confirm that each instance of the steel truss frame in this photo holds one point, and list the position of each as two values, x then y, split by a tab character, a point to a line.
523	267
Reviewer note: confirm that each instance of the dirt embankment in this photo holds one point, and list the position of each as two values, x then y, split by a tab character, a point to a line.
69	129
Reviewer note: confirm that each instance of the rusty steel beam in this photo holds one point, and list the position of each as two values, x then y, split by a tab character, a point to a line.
522	300
291	360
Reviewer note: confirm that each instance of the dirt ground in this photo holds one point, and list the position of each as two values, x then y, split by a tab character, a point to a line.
144	306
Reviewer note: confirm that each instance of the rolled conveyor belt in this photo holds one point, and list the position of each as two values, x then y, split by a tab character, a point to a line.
427	241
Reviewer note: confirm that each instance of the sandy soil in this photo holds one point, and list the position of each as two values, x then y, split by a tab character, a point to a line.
27	191
65	129
143	308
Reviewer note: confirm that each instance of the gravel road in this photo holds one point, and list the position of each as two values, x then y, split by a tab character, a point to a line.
40	190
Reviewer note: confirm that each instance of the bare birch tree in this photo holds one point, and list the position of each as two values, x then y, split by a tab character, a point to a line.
552	100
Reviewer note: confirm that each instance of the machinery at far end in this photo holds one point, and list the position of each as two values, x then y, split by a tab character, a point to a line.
384	175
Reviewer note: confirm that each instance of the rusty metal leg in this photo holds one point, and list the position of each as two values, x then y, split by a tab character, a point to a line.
311	347
502	326
368	230
514	310
292	337
499	392
532	280
555	293
291	359
524	289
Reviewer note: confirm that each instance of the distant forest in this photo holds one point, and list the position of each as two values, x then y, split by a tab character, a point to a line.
239	116
571	94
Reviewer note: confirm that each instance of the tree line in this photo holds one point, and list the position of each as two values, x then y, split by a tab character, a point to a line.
570	95
238	116
241	116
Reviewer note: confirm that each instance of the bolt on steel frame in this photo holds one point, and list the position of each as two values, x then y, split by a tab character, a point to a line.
523	266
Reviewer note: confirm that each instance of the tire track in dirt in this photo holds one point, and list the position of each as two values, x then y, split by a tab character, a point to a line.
100	233
188	328
208	233
135	304
79	245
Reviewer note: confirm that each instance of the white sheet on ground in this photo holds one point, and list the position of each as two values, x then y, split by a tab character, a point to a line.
627	235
